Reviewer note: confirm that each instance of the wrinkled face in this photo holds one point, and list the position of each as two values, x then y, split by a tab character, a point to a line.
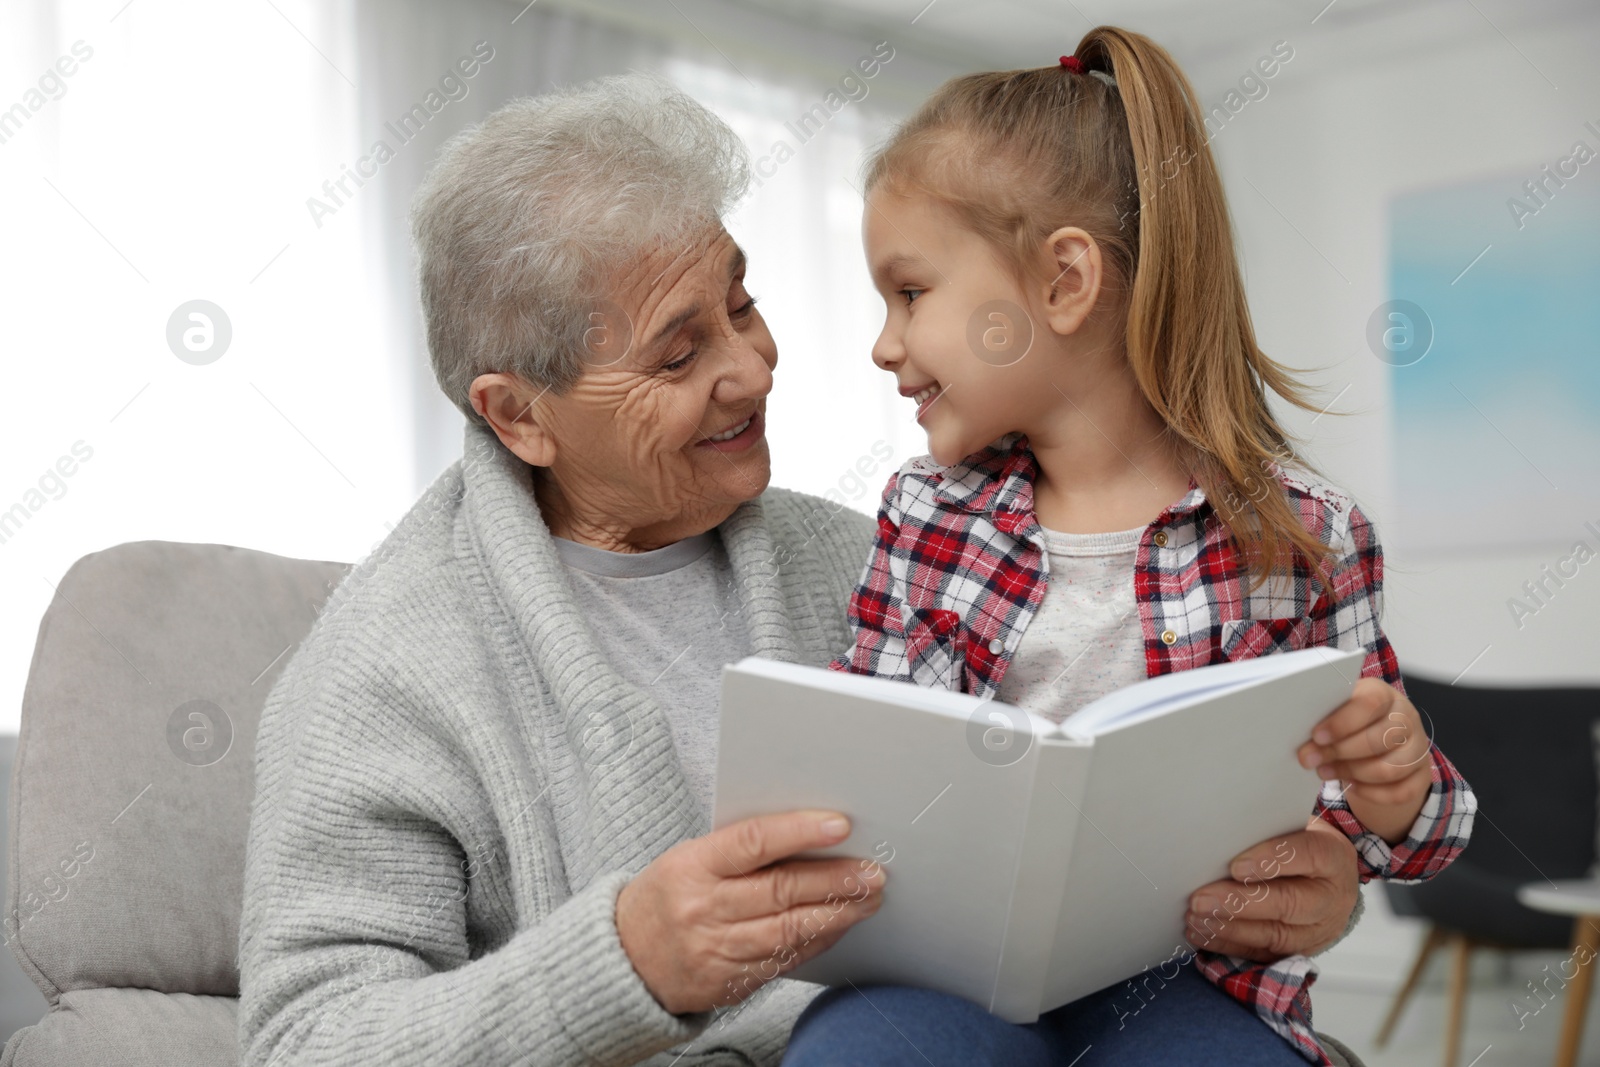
966	344
667	421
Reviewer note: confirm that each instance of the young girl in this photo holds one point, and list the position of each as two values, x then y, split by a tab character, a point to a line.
1109	496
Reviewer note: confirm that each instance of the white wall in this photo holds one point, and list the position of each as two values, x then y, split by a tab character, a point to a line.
1357	116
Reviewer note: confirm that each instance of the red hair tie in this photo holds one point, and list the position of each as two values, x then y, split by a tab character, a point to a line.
1072	63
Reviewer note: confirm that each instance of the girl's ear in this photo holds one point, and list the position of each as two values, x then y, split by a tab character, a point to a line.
518	414
1074	258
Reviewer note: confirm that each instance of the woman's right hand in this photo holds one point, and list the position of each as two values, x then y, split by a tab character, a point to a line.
714	918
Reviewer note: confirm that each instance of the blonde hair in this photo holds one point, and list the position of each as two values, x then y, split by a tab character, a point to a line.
1018	154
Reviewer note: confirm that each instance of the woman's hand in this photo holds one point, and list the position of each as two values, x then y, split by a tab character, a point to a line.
1374	743
714	918
1289	896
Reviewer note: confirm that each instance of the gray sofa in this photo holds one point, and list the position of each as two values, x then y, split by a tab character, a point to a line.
130	797
21	1003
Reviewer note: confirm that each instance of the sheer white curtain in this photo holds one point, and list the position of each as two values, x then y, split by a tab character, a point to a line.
156	153
832	414
152	154
408	48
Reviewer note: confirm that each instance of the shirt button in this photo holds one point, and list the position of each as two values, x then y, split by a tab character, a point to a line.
1161	539
1168	637
996	647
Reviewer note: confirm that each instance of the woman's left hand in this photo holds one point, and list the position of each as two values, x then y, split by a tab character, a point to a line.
1289	896
1375	743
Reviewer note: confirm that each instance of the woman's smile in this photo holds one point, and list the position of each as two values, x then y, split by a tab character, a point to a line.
741	435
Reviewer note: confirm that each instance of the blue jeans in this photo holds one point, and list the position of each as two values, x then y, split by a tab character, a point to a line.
1187	1020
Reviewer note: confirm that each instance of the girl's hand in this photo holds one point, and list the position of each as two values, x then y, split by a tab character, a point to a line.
1374	742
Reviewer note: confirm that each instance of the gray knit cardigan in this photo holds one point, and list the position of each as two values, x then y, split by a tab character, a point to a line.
452	784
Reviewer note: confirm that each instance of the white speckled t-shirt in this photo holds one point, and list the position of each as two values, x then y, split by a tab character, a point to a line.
1084	641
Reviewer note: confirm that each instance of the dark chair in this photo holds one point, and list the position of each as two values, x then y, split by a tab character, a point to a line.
1529	755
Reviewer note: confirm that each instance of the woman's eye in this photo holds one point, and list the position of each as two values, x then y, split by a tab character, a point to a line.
743	311
910	294
679	364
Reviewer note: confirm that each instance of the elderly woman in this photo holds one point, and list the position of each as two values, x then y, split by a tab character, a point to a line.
481	828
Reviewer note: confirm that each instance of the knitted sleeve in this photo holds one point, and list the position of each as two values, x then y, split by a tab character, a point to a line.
354	946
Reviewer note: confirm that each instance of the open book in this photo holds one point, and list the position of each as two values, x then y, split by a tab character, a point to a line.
1029	864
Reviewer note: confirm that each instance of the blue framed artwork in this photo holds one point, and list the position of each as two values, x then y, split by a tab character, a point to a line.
1493	336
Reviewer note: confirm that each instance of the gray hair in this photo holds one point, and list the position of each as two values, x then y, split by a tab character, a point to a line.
525	215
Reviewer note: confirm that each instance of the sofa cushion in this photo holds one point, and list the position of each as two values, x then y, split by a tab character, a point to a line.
131	790
130	1028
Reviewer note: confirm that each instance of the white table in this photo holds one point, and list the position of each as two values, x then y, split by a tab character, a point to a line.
1580	899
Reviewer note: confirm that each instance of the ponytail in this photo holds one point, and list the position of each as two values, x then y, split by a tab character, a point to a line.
1125	157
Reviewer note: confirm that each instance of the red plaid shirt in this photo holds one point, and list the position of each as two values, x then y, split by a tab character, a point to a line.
959	568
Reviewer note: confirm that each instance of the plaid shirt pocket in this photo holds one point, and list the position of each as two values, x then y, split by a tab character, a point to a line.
1249	638
936	648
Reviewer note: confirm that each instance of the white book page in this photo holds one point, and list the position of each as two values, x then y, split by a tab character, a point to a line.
950	824
903	694
1170	800
1170	692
